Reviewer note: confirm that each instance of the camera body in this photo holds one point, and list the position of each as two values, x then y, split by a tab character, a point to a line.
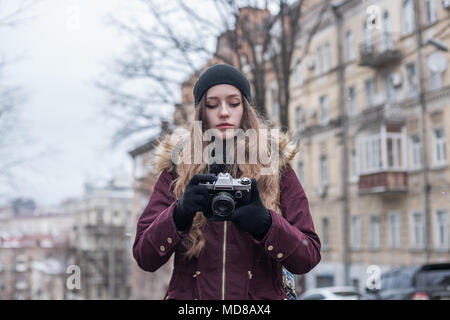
228	194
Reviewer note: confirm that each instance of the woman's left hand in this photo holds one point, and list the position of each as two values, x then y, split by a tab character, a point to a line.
254	217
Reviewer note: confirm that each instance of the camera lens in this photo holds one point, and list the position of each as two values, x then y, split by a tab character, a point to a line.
223	204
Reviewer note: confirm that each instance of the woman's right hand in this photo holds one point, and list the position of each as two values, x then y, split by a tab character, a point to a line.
194	198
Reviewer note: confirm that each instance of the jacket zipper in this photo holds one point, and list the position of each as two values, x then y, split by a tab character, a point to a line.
223	258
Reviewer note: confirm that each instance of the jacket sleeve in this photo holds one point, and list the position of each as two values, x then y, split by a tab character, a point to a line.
156	233
291	240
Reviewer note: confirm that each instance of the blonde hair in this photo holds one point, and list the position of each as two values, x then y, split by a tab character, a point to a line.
268	185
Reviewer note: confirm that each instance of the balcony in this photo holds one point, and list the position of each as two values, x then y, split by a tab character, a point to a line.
385	113
379	50
382	160
383	182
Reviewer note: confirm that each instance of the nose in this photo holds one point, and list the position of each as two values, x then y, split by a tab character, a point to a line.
224	111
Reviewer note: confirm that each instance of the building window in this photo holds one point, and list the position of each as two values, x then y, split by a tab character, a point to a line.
327	57
352	102
356	232
367	31
439	152
299	119
442	239
394	229
301	173
412	82
325	238
354	165
323	170
415	152
435	80
298	73
350	45
370	92
408	16
417	230
375	232
324	110
319	57
430	11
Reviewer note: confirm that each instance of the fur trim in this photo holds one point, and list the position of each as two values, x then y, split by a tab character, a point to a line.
164	150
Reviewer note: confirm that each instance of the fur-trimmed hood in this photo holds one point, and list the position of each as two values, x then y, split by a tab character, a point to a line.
170	144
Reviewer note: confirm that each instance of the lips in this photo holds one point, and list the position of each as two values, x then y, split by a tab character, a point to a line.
225	125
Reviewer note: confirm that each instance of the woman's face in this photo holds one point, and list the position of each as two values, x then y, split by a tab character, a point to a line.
224	109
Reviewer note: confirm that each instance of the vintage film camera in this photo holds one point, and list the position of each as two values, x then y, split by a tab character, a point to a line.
228	194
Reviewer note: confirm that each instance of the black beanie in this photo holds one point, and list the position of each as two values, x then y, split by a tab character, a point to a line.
221	74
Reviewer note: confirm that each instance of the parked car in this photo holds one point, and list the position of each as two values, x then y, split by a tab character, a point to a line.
425	282
331	293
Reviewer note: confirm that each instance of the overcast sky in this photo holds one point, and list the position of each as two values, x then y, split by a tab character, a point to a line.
60	61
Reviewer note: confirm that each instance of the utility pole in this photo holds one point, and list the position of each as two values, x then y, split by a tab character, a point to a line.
344	126
423	106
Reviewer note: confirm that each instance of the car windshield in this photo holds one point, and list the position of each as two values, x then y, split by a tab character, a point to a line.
434	278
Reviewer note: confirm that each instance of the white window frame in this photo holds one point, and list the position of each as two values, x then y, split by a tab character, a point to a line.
375	231
324	170
350	45
374	152
430	11
324	108
417	230
441	234
439	147
299	118
319	57
395	229
412	79
356	234
408	16
352	107
435	81
415	152
370	91
327	57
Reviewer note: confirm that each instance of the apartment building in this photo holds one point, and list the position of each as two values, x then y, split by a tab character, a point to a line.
356	107
99	242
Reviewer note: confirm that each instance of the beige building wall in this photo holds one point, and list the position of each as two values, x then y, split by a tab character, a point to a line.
324	139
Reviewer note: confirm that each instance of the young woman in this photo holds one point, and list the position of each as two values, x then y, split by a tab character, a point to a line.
244	255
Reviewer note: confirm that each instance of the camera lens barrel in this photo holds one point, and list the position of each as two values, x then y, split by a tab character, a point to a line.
223	204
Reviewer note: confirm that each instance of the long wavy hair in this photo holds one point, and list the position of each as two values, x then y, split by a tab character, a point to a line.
268	185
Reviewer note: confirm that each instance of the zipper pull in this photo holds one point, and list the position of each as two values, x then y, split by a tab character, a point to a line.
196	274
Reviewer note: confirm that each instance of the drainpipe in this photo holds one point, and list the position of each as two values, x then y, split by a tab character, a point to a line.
423	106
345	170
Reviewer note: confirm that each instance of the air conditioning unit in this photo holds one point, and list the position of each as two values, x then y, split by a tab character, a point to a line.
445	4
396	79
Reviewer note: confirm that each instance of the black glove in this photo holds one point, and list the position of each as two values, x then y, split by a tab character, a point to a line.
194	198
254	217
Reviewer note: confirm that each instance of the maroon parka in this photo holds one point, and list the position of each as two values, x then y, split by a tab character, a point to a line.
232	264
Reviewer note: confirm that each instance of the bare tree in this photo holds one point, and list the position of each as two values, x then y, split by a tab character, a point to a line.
11	97
184	37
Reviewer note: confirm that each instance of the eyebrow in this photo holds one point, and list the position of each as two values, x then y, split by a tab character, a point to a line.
230	96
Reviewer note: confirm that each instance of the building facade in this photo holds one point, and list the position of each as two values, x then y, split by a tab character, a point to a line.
361	100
